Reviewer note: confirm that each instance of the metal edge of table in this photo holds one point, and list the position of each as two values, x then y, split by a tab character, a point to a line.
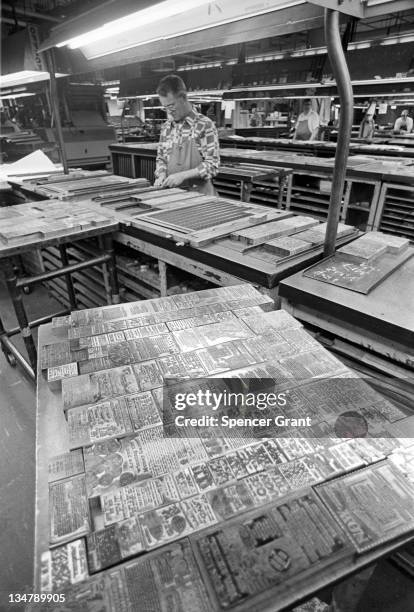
208	256
301	290
52	439
10	250
361	339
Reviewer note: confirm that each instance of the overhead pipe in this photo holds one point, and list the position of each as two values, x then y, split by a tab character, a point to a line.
343	82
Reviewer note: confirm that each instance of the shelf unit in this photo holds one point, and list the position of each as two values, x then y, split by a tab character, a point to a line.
395	210
91	286
267	192
305	191
310	194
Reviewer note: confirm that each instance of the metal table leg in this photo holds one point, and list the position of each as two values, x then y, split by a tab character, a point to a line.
282	181
22	320
12	354
162	267
68	278
111	266
246	189
4	345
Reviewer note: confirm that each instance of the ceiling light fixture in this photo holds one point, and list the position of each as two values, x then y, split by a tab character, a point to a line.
162	10
16	95
160	16
25	76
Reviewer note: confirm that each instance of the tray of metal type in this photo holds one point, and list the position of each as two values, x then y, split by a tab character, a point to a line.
205	219
88	186
86	183
246	172
117	195
39	221
128	207
194	218
74	175
165	197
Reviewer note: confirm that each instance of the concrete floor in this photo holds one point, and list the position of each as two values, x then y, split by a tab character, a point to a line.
389	589
17	458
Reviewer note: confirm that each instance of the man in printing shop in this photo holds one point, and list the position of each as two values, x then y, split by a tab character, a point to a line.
404	124
188	152
307	125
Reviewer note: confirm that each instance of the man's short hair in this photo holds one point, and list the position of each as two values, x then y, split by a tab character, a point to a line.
172	84
307	101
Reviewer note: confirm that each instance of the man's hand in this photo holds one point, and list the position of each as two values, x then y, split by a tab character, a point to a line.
175	180
159	181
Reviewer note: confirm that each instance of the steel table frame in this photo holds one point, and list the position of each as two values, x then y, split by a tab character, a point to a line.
16	285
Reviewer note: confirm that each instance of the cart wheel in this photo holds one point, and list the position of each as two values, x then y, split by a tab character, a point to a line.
27	290
11	359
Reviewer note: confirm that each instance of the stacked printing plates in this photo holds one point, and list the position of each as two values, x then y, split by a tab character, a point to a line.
191	218
37	221
143	508
75	187
364	263
251	183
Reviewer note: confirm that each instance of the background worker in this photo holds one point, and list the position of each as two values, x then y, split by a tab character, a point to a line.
307	124
367	127
404	124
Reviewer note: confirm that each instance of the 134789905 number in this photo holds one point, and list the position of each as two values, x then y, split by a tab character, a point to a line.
16	598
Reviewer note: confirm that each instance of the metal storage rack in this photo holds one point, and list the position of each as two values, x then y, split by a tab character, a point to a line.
395	210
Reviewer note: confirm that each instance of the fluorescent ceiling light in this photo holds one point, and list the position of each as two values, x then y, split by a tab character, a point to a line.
201	66
390	80
393	40
270	98
25	76
162	10
205	92
140	97
5	92
277	87
362	44
168	20
17	95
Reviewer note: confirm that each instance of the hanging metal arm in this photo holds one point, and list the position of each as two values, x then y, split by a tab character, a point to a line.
343	83
50	60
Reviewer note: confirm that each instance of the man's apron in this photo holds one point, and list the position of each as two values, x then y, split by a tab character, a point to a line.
186	156
302	131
